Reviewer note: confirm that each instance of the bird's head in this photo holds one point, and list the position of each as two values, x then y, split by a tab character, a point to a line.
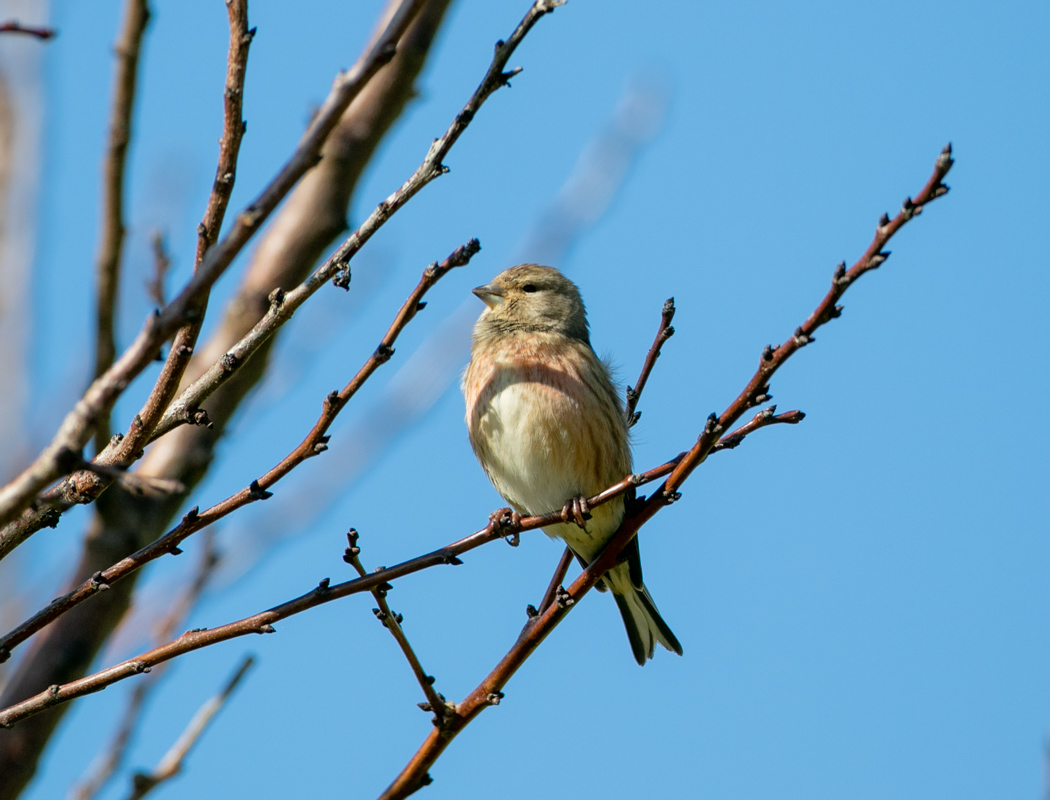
532	298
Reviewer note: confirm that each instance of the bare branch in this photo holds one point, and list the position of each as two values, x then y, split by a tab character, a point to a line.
551	594
315	443
489	691
77	426
124	522
233	128
392	622
337	267
111	244
40	32
171	765
665	332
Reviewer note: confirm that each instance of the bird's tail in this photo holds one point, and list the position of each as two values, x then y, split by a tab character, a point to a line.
645	627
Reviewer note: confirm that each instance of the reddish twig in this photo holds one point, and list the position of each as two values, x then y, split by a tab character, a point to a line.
111	244
489	691
551	594
763	419
392	622
171	765
315	443
665	332
79	422
39	31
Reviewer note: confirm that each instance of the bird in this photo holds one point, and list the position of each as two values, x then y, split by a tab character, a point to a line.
545	421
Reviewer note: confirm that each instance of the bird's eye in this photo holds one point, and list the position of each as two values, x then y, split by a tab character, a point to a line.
529	287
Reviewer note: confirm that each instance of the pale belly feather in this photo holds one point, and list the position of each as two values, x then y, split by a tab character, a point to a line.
540	452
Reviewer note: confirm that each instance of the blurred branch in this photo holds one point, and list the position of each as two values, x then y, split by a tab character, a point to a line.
171	765
392	622
111	244
40	32
315	443
489	691
76	428
112	757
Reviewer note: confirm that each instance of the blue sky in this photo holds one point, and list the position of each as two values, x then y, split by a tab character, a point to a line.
862	599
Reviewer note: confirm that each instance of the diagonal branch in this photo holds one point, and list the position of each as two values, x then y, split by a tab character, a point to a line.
392	622
171	765
489	691
76	428
337	266
233	129
315	443
107	275
665	332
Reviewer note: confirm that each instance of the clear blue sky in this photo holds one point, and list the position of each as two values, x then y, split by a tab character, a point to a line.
863	599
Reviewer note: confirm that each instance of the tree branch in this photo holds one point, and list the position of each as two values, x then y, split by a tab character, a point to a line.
392	622
665	332
337	266
111	245
77	426
171	765
489	691
315	443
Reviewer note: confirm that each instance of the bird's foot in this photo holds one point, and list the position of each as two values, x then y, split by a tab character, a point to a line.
576	510
507	523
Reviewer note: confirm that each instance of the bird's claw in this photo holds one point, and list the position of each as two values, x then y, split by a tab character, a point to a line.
576	510
507	523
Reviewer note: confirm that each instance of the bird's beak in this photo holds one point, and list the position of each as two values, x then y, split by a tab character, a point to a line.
490	294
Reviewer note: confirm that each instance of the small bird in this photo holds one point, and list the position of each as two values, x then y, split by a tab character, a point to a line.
546	423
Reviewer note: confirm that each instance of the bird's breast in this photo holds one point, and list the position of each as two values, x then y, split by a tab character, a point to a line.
546	426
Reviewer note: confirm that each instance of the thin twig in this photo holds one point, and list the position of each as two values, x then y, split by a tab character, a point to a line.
76	428
111	244
551	594
763	419
665	332
39	31
336	267
315	443
489	691
392	622
171	765
233	129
